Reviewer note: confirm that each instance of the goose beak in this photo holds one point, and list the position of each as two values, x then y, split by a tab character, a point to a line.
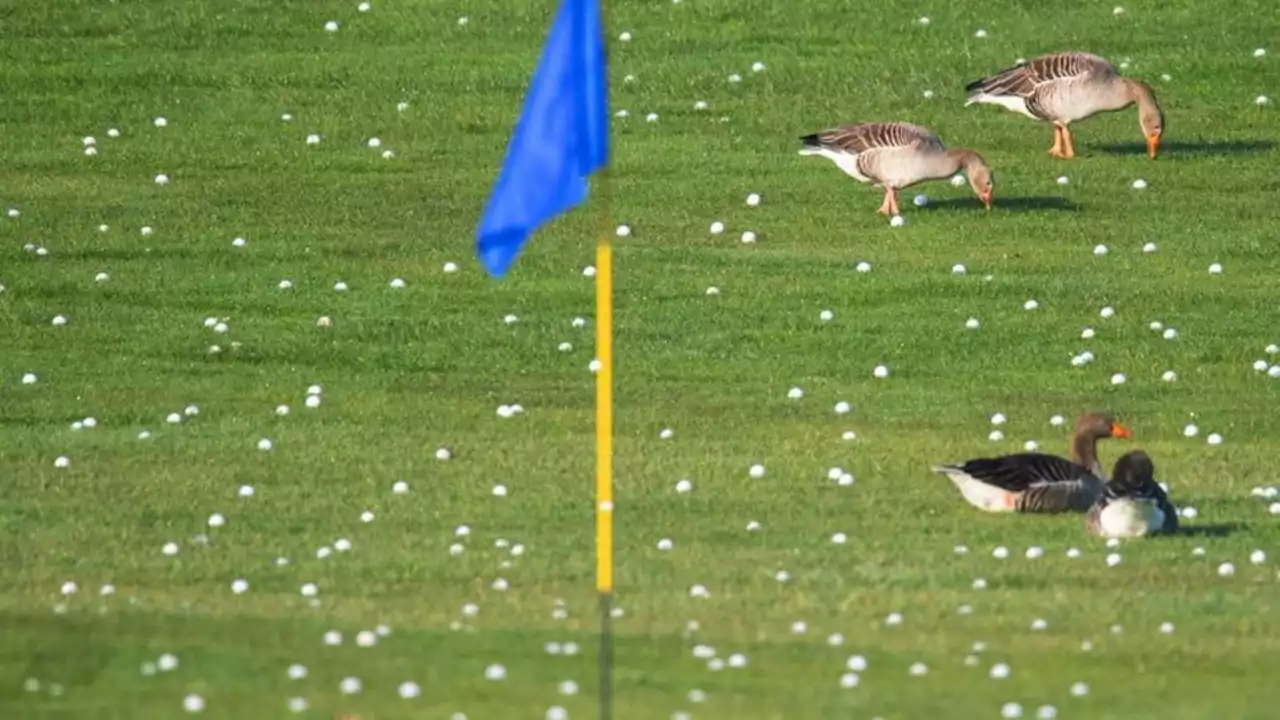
1153	143
1120	431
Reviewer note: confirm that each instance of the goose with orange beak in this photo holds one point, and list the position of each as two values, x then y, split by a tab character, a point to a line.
1038	482
1062	88
896	155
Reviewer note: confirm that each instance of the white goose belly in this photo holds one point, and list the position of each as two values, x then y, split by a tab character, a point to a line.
1130	518
846	161
981	495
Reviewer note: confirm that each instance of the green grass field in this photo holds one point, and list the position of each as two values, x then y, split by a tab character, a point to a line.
408	370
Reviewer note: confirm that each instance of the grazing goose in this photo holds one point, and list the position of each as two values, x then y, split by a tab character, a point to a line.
1037	482
896	155
1133	504
1064	87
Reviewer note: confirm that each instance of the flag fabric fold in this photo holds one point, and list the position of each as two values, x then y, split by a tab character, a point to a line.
560	139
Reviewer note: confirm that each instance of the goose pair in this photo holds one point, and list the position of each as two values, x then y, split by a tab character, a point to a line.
1060	88
1129	504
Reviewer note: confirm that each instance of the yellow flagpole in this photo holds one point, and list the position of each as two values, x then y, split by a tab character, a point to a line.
604	453
604	415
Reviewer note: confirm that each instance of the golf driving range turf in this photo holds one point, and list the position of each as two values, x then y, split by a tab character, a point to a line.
1163	632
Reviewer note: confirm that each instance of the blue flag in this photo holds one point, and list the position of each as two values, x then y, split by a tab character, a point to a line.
562	137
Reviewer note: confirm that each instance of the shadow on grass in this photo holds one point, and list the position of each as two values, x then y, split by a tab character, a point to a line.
1218	530
1177	147
1007	204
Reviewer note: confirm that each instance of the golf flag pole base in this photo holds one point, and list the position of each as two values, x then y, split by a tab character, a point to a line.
606	656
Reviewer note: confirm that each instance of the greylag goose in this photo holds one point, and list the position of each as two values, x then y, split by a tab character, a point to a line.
1038	482
1064	87
1133	504
895	155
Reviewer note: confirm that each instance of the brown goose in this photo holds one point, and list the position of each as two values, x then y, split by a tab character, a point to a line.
1064	87
1037	482
1133	504
895	155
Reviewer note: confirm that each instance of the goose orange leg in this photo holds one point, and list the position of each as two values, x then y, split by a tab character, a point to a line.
887	207
1069	141
1057	149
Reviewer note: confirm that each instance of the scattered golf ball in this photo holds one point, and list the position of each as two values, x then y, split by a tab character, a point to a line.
1139	184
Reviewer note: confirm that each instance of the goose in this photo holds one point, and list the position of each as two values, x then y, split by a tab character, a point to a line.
1133	504
1038	482
895	155
1064	87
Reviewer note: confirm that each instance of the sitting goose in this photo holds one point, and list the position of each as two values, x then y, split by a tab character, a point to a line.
1133	504
1064	87
1037	482
895	155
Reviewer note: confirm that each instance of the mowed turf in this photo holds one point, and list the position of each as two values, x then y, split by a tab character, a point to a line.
406	371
